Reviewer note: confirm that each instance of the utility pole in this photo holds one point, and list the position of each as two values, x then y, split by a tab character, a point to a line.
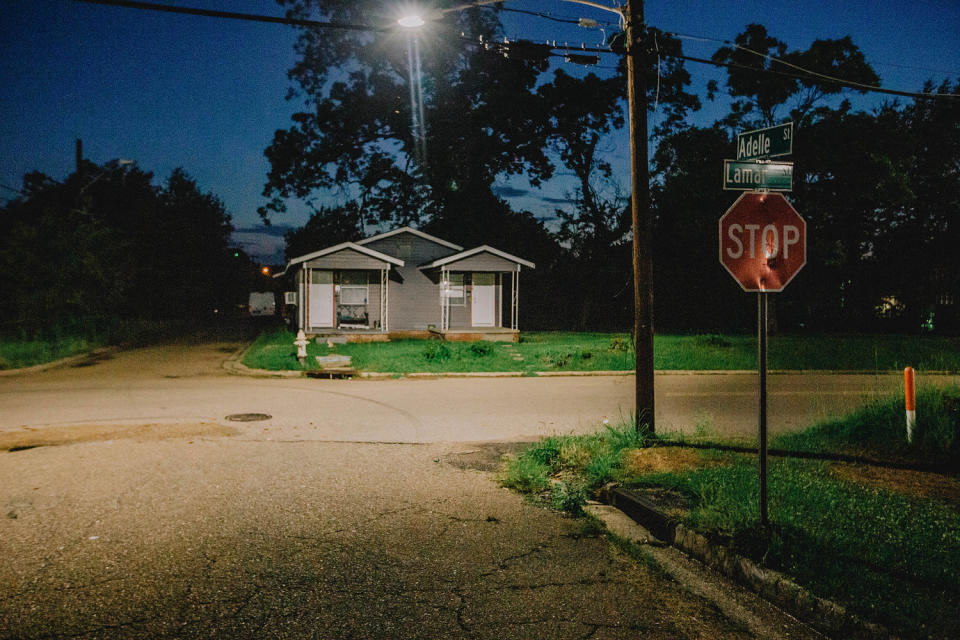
642	223
79	154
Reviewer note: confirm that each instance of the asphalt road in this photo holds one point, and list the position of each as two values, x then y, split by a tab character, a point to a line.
185	529
185	383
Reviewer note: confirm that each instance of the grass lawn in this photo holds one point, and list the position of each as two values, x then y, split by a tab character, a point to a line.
882	541
26	353
568	351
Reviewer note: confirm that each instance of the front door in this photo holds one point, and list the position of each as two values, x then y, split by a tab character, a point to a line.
484	305
321	299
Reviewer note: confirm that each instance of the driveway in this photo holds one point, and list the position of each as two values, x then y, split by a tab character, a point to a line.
152	519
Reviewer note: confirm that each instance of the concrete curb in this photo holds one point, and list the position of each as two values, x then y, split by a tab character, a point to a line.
820	613
237	368
62	362
234	366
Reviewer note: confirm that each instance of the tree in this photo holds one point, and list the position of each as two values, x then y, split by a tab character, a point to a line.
758	95
479	111
326	227
107	243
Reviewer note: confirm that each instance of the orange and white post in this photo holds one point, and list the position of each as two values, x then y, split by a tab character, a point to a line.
911	401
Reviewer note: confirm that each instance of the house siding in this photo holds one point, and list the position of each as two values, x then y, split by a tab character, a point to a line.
414	295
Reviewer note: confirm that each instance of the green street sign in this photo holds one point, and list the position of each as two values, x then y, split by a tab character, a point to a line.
766	143
749	175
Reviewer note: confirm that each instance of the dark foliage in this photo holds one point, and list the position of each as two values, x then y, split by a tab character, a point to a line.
108	243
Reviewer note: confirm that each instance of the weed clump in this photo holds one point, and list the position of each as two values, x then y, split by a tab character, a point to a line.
437	352
480	349
619	343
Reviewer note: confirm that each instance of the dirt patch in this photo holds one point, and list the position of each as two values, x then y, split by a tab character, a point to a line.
483	457
663	460
29	438
918	484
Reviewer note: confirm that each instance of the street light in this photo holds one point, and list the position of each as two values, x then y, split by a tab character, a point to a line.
631	17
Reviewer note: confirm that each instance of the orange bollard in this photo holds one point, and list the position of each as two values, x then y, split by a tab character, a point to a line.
911	401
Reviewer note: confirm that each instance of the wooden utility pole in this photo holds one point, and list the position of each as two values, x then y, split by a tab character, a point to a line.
642	223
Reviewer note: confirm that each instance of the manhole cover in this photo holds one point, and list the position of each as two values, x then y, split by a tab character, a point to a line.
248	417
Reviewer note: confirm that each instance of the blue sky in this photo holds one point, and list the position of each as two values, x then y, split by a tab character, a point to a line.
207	94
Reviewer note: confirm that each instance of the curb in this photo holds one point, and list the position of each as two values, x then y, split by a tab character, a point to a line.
59	363
233	366
820	613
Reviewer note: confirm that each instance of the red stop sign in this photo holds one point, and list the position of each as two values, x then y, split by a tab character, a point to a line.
763	241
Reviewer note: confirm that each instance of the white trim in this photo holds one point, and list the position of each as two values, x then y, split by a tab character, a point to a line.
419	234
340	247
484	248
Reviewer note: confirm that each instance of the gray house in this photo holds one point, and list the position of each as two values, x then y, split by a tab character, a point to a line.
408	283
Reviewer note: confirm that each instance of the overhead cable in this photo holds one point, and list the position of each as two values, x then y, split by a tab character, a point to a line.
210	13
847	83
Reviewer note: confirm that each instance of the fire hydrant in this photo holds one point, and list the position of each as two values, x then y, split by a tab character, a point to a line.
301	343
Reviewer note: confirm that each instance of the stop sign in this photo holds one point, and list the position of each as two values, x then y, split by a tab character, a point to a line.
763	241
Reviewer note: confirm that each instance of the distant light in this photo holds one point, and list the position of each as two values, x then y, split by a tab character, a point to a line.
413	20
265	271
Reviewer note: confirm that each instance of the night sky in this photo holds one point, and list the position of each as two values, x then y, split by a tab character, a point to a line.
206	94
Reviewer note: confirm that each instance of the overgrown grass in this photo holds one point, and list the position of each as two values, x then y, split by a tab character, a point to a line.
567	351
26	353
888	557
25	349
878	430
578	463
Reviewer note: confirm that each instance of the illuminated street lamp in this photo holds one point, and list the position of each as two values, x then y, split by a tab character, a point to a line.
631	16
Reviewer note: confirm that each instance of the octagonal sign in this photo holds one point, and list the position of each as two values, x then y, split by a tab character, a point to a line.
763	241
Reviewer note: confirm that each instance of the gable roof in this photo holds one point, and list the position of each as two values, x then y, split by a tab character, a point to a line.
340	247
419	234
471	252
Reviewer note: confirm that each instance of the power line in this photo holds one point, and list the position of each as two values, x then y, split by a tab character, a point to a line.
805	74
824	77
252	17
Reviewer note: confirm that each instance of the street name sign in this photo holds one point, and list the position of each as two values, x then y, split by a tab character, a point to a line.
749	175
763	242
765	143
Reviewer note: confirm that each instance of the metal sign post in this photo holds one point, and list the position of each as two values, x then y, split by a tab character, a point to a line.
762	408
763	244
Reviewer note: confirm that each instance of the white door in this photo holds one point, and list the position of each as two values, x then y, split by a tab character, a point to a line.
484	305
321	299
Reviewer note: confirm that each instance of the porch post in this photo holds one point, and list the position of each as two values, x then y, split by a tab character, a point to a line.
444	299
304	303
515	303
499	299
384	298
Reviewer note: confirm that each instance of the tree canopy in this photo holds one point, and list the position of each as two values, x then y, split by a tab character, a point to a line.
107	242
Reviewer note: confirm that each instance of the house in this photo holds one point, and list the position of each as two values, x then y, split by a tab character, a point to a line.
408	283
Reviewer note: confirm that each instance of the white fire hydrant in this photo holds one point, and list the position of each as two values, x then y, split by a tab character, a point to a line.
301	343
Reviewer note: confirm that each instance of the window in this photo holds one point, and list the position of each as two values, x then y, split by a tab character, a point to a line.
454	292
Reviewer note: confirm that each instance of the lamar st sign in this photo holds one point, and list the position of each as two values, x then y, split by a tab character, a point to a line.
763	241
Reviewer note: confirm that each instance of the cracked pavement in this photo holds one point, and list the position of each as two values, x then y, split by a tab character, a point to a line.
185	529
229	538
